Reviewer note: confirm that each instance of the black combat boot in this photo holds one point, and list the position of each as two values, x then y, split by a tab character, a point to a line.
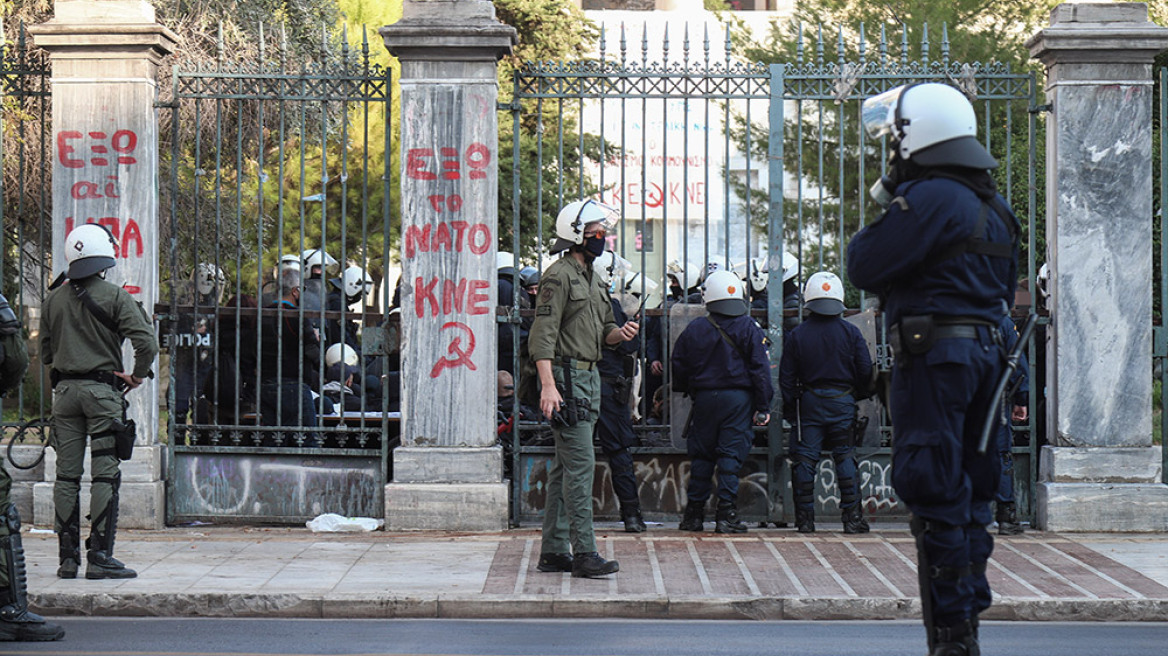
17	624
957	640
854	521
69	545
804	521
727	518
100	543
555	562
591	565
631	516
694	517
1007	518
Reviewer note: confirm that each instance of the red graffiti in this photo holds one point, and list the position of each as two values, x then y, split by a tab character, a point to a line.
477	158
128	236
452	203
86	190
122	142
456	296
456	356
451	236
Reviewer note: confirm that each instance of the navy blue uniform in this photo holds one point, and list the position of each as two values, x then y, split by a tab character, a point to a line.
939	398
1005	434
825	366
506	295
728	385
614	428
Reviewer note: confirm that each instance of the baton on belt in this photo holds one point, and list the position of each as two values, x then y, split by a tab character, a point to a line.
1012	359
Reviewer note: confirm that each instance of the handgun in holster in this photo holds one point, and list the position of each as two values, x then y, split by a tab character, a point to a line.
125	432
573	410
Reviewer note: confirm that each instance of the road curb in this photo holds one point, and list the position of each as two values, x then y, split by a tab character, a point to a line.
331	606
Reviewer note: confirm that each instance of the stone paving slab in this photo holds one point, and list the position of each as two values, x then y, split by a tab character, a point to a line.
764	574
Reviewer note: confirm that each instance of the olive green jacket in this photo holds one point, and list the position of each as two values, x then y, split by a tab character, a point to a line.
572	314
73	341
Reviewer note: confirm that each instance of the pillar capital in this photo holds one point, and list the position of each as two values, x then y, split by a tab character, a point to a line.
85	33
1103	33
449	30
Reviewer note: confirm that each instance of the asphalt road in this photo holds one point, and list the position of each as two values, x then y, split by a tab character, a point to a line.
207	637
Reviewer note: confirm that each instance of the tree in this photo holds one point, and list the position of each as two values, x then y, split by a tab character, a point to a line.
897	37
549	31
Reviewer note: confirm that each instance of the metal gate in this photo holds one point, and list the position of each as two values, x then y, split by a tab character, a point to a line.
26	212
278	194
714	161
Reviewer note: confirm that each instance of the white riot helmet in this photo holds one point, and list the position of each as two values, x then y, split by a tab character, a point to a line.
724	293
610	266
634	283
354	282
574	216
340	353
89	250
317	257
757	272
1044	282
505	263
209	279
934	125
716	263
824	294
790	266
686	274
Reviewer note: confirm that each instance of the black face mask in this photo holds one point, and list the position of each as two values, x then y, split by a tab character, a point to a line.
594	246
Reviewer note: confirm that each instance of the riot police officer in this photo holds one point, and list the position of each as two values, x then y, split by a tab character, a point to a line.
1015	408
573	320
614	428
16	622
943	291
721	362
824	369
193	360
85	323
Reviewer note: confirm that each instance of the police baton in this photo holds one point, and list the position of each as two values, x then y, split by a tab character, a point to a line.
1012	359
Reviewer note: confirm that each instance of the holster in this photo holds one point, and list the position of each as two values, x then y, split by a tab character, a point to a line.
918	333
124	433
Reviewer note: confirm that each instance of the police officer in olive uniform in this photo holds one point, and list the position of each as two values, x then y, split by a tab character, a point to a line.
943	291
85	323
16	622
573	321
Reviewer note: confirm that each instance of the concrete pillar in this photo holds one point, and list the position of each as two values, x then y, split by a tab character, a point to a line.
447	473
105	54
1102	472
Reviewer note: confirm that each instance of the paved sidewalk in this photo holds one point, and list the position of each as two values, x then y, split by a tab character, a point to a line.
763	574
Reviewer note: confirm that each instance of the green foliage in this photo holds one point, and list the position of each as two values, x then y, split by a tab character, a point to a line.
549	31
823	148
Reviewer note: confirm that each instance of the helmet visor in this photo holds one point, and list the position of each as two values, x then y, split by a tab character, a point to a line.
595	211
878	113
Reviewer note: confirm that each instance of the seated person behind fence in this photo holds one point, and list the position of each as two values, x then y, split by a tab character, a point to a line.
365	386
351	288
230	391
289	356
339	388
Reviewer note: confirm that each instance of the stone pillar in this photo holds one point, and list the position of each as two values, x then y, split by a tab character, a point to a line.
448	471
1102	474
105	55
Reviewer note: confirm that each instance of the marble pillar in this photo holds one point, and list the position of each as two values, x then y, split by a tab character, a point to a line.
448	471
1102	472
105	56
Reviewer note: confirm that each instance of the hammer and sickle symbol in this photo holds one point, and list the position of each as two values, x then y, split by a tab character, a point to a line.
456	356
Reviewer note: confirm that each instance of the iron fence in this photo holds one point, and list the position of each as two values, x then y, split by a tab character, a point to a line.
25	207
278	190
719	162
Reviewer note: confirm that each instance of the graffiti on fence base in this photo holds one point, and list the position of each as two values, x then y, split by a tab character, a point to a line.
662	479
238	485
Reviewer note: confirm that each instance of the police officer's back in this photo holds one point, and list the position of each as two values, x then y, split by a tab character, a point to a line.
943	260
721	361
85	323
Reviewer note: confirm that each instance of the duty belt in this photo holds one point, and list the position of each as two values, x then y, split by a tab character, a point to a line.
96	376
962	327
581	364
